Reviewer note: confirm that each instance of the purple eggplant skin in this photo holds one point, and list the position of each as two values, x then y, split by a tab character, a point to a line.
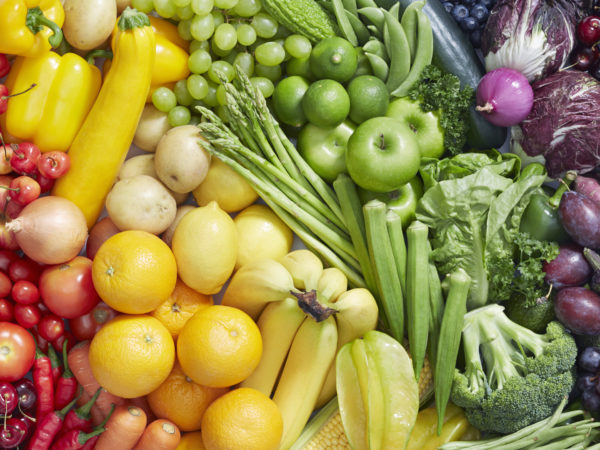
580	217
578	309
570	268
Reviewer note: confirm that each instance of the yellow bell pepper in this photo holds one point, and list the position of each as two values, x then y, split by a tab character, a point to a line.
456	427
171	59
30	27
50	114
102	143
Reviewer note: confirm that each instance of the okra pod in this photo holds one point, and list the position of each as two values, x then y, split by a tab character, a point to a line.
436	310
450	334
394	228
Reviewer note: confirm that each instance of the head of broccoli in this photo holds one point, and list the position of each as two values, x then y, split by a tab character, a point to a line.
513	377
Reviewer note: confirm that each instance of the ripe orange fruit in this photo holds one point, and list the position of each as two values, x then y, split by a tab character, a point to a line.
182	401
180	306
132	355
191	441
219	346
243	419
134	272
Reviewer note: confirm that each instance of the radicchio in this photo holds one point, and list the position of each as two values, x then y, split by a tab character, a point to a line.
564	123
534	37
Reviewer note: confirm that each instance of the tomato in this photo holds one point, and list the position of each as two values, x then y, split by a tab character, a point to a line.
6	258
85	327
17	351
51	327
24	268
25	292
5	285
7	313
59	341
67	289
27	315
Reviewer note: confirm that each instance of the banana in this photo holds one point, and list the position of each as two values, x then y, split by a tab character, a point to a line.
332	283
278	324
357	314
305	268
310	356
257	283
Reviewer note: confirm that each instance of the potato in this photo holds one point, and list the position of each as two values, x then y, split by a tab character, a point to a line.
152	126
122	4
180	160
167	236
144	165
141	203
88	23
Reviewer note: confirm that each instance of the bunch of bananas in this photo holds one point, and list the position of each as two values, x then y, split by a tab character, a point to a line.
305	313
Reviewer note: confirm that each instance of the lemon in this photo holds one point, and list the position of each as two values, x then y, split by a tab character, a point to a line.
205	246
326	103
334	58
225	186
369	98
261	234
287	100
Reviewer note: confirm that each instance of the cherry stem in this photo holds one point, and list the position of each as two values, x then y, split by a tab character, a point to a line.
18	93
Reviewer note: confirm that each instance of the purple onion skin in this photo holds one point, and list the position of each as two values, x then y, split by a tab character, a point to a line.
504	97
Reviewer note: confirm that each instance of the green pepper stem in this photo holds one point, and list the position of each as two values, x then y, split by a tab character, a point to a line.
91	56
132	18
35	21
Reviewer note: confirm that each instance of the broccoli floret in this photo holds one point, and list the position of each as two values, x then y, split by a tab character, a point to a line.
513	377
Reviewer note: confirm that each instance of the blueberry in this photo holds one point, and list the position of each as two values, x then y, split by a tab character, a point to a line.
586	382
469	24
479	12
448	6
487	3
590	400
468	2
475	38
459	12
589	359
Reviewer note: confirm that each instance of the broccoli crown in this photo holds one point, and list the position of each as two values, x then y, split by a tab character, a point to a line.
513	377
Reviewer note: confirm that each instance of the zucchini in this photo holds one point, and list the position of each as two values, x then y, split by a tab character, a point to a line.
305	17
453	53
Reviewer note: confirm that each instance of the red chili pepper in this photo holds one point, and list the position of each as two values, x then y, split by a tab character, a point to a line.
44	384
90	444
81	418
48	427
66	385
77	439
55	364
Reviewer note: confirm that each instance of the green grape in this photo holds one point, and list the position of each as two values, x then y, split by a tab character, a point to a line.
197	86
181	3
297	46
222	67
199	45
265	25
223	113
217	51
202	27
230	57
164	99
144	6
247	8
225	4
225	37
202	7
299	66
210	100
183	29
165	8
269	54
264	85
246	35
246	63
199	61
221	95
182	94
178	116
195	120
185	13
273	73
197	103
218	17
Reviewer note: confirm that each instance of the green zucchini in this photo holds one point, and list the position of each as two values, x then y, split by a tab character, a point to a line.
305	17
453	53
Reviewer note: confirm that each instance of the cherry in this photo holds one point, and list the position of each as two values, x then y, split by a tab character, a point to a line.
26	394
8	399
585	57
588	30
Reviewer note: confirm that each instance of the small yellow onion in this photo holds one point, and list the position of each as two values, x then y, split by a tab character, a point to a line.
50	230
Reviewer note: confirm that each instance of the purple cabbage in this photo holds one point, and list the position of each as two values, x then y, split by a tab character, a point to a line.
564	124
534	37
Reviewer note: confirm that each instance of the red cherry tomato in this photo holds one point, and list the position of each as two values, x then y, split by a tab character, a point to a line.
27	315
7	310
85	327
40	341
5	285
59	341
17	351
51	327
67	289
24	269
25	292
7	257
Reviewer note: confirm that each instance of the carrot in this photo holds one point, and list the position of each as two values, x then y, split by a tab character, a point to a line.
123	429
80	366
161	434
142	402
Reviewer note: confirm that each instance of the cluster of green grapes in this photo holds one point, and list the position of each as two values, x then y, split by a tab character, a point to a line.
222	34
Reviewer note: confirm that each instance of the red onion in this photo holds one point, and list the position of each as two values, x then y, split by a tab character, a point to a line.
504	97
50	230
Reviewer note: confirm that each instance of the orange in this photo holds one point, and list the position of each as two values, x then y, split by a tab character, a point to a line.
219	346
180	306
191	441
182	401
132	355
244	419
134	272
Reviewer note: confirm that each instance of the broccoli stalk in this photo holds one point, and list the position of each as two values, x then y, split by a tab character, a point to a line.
513	377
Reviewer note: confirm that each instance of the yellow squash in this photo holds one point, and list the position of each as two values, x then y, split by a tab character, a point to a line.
103	140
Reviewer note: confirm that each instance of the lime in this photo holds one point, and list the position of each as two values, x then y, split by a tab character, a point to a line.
368	98
334	58
287	100
326	103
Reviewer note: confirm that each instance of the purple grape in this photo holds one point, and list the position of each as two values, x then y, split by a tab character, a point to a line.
590	400
589	359
586	382
578	309
580	217
569	268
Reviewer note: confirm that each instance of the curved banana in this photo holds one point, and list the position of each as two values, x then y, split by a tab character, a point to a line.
257	283
312	352
332	283
278	324
305	268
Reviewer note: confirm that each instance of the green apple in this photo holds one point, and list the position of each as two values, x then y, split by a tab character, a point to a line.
324	149
403	201
382	154
426	125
